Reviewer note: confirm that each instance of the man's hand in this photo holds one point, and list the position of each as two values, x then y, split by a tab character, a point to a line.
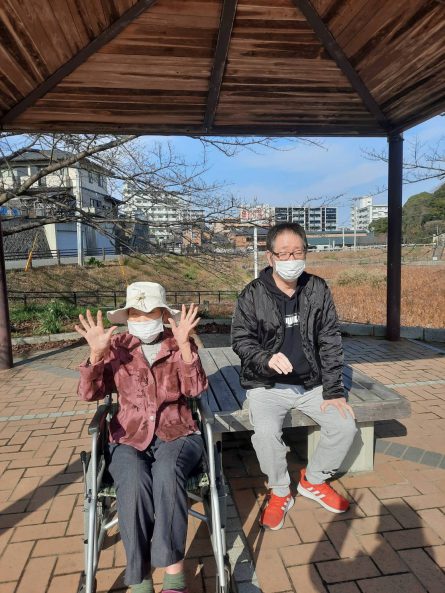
280	364
341	404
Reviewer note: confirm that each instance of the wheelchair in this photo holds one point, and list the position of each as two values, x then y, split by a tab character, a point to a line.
206	486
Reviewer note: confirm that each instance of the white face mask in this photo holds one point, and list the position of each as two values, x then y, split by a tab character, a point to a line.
146	331
291	269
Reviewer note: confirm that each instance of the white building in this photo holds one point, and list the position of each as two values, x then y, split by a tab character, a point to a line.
321	218
82	184
167	215
363	212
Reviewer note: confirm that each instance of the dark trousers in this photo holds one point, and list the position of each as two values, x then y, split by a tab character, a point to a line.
152	501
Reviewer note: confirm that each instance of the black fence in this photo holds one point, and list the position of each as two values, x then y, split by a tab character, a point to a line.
114	298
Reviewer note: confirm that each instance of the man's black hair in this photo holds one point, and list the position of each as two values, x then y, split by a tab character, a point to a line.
281	227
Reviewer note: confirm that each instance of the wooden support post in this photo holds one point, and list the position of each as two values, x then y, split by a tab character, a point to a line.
5	327
394	257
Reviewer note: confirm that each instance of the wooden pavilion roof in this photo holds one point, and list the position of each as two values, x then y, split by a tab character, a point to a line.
221	67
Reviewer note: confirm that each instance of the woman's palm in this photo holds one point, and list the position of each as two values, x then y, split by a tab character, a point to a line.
94	333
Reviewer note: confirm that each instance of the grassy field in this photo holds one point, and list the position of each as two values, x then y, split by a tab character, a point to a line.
357	280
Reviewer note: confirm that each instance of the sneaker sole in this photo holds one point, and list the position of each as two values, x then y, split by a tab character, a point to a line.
304	492
290	504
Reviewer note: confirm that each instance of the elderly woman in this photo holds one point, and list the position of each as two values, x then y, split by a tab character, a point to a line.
153	444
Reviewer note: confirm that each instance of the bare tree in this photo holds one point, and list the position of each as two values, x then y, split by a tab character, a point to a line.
422	161
153	171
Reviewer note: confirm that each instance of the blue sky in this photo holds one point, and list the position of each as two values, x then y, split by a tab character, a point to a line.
311	173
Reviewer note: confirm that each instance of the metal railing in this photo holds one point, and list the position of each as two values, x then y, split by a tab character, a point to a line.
59	253
114	298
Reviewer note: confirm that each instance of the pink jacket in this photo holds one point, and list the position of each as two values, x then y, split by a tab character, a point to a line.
152	399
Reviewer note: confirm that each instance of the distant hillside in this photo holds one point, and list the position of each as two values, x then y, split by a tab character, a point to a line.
423	215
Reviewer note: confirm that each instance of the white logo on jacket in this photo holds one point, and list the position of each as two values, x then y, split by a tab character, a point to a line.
292	320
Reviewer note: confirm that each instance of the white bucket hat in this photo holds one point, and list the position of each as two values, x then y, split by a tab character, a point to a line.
143	296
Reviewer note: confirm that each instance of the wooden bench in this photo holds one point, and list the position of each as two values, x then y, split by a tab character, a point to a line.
370	400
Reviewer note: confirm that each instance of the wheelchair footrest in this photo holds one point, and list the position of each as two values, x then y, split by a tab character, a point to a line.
196	483
107	492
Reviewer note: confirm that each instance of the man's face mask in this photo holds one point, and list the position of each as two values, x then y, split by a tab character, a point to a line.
291	269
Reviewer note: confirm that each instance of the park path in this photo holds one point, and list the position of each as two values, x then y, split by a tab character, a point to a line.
391	541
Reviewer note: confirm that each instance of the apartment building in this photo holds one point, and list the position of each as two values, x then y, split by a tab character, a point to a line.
320	218
83	185
364	211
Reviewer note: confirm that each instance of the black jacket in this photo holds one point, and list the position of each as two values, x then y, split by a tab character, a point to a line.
258	332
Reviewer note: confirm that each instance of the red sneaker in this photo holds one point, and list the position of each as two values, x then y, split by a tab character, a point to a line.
323	494
275	511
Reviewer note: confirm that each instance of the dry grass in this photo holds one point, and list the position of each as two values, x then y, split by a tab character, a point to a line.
173	272
360	293
357	279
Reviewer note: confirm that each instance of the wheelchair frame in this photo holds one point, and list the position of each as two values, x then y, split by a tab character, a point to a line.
100	512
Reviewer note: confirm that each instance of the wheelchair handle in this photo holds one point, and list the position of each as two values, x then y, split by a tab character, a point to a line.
97	423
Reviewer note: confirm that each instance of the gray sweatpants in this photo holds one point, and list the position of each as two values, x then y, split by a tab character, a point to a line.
267	410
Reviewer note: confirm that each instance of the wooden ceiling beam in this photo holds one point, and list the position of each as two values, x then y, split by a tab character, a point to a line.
219	63
107	35
338	55
271	130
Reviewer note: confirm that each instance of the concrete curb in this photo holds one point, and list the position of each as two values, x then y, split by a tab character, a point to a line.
50	338
45	338
425	334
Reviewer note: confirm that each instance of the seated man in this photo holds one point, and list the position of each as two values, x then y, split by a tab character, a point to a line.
154	445
285	331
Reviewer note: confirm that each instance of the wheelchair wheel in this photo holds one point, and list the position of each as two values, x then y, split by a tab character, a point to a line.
99	511
87	507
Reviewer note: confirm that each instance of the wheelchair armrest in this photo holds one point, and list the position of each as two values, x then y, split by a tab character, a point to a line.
205	411
97	423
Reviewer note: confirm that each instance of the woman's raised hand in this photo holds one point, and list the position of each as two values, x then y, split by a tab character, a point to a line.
99	339
186	324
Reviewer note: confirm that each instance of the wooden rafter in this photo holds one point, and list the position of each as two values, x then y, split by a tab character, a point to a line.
338	55
222	48
107	35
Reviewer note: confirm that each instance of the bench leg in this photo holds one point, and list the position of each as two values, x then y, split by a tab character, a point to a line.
360	457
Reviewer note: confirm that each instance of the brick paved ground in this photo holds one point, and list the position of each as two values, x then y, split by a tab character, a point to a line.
392	539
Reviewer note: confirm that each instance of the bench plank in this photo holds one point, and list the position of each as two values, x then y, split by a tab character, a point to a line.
370	400
223	396
230	375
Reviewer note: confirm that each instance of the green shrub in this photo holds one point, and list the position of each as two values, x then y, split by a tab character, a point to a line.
28	313
95	262
54	314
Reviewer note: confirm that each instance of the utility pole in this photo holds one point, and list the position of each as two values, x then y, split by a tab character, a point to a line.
79	223
255	251
355	223
343	236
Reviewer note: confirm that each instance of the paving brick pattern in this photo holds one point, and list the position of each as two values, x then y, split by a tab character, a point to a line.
391	540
